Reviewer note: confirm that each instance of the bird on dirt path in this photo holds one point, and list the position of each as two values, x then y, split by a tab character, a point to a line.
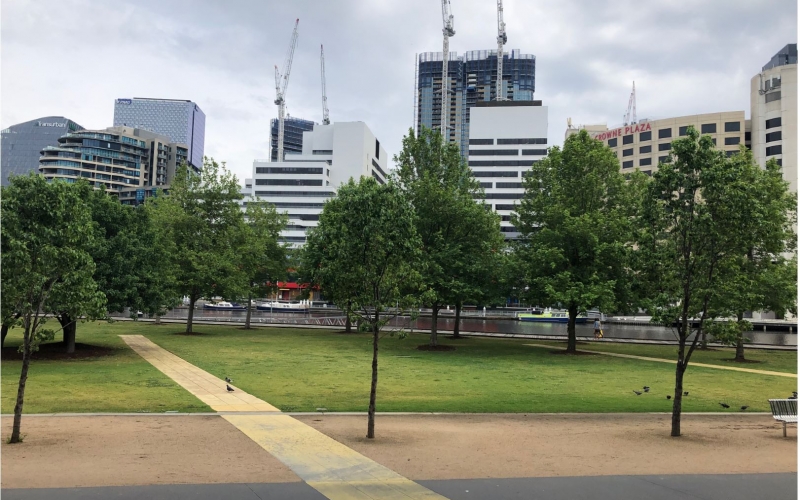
637	393
744	407
230	389
725	405
228	380
646	389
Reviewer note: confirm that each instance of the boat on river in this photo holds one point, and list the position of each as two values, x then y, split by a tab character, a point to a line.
284	307
224	306
548	316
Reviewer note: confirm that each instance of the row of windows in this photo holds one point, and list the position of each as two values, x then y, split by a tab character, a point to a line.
306	217
507	152
322	152
509	185
490	142
502	196
319	194
665	133
774	122
378	168
288	170
502	163
378	178
495	174
288	182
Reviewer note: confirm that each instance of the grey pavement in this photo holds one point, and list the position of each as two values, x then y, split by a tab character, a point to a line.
670	487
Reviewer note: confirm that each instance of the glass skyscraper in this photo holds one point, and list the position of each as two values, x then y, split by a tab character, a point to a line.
293	129
21	143
183	122
473	78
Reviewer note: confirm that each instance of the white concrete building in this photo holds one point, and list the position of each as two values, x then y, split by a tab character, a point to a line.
773	113
300	184
505	139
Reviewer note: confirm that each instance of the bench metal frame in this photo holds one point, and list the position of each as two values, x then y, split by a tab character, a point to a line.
785	411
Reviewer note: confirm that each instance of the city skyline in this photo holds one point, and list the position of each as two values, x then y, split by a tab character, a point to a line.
685	59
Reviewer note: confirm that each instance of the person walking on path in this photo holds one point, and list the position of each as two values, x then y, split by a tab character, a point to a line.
598	331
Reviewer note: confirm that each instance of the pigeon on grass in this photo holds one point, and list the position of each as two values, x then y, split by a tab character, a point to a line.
637	393
744	407
724	405
228	380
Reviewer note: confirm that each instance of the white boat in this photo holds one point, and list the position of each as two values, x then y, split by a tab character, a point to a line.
284	307
224	306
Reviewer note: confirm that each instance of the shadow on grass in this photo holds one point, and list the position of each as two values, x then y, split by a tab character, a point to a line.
443	348
745	361
56	351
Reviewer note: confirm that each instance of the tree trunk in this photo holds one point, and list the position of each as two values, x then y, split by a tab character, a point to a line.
679	371
249	305
457	326
23	378
571	338
69	326
434	325
5	328
374	386
192	301
348	324
740	340
703	340
158	319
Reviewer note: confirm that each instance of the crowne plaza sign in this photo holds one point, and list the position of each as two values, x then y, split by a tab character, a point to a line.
617	132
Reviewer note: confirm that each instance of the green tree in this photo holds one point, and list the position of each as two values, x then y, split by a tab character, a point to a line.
450	219
367	234
199	221
47	234
262	258
576	230
690	242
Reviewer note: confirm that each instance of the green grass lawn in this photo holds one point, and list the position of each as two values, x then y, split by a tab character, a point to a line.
301	369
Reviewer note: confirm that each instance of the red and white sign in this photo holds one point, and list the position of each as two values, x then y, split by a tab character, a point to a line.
626	130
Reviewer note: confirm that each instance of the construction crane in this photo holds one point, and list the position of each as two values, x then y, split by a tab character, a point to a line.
501	40
630	116
325	119
448	31
281	82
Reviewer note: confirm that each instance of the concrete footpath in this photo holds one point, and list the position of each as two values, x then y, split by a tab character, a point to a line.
675	487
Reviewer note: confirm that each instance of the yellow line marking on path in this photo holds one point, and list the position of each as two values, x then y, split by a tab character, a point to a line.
333	469
672	361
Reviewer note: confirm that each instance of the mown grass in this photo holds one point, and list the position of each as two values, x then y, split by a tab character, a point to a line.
302	369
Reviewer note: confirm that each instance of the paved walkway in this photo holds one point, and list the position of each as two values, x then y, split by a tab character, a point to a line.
672	362
331	468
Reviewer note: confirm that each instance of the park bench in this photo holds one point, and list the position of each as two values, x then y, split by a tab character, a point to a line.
784	410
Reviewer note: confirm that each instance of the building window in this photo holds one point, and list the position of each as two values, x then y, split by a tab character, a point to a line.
322	152
773	96
536	152
663	159
627	139
645	136
708	128
774	150
645	149
714	141
502	163
780	162
732	126
612	143
648	173
509	185
664	133
627	164
482	142
747	137
377	149
774	122
378	178
495	174
732	141
520	141
683	130
731	152
774	136
665	146
505	207
645	161
627	152
287	170
494	152
288	182
486	185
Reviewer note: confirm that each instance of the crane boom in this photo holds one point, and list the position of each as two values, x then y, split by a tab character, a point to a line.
325	119
281	84
631	107
448	30
502	38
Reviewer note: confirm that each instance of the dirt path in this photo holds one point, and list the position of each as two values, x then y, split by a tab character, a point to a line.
102	450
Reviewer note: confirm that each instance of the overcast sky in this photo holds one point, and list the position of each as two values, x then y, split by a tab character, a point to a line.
74	57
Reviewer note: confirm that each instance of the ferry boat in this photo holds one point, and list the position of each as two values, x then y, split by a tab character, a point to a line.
548	316
284	307
224	306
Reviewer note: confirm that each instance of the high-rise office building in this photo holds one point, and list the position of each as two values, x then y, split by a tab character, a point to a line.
22	143
773	113
472	79
182	122
293	129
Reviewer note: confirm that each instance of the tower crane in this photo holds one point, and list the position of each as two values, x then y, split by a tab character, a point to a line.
501	40
448	31
631	107
281	82
325	119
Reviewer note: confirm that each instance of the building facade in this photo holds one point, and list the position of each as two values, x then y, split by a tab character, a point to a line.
773	113
472	79
300	185
21	144
181	122
645	144
293	129
505	139
130	163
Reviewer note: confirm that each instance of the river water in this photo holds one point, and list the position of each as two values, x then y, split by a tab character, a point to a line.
643	331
